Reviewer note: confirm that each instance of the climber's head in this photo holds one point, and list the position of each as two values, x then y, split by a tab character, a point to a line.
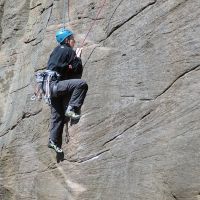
70	41
65	36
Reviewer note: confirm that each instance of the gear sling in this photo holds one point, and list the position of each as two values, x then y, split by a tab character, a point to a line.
43	85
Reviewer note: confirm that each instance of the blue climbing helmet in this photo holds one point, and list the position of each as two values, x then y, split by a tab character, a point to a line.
62	34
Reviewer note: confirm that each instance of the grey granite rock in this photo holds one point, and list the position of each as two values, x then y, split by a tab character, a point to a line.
138	138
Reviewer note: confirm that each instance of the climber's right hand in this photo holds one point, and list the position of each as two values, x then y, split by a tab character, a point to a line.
78	52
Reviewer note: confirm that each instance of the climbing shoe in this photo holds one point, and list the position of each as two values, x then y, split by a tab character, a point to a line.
71	113
52	145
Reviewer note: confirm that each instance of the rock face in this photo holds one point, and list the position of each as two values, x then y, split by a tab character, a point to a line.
138	138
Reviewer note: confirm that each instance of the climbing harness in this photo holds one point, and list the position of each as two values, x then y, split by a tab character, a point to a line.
43	80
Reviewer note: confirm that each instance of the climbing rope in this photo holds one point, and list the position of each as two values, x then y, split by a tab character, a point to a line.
92	25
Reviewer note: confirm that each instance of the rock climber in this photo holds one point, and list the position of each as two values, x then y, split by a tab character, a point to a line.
69	90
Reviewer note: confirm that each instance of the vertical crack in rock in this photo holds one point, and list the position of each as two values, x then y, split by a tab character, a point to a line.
130	18
179	77
50	13
1	17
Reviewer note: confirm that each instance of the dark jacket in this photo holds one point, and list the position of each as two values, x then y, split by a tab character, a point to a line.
60	59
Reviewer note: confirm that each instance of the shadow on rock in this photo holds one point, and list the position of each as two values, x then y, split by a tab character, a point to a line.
60	157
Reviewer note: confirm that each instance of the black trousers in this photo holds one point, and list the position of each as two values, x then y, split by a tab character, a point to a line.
69	92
